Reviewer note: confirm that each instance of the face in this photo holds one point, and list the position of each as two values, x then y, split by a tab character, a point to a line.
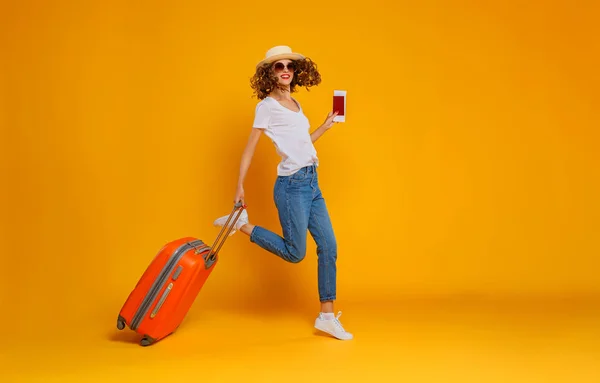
284	70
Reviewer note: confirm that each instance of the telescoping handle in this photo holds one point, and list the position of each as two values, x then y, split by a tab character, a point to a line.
224	233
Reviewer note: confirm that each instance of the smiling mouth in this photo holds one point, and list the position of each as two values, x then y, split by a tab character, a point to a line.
285	76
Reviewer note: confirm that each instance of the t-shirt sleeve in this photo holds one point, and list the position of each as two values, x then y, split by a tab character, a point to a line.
262	116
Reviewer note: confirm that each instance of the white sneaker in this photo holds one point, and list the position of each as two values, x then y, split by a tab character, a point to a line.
332	327
243	220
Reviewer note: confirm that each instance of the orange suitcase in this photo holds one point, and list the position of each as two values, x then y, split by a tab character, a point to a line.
167	289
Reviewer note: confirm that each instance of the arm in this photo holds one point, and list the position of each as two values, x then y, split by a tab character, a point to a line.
245	162
323	128
314	136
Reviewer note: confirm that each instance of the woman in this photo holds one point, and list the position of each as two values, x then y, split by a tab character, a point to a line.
297	194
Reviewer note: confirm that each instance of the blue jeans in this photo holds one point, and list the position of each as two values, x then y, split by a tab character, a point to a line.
301	208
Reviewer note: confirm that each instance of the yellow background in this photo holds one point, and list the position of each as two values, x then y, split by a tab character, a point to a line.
468	165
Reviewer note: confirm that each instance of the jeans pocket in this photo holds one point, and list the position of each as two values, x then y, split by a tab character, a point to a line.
299	176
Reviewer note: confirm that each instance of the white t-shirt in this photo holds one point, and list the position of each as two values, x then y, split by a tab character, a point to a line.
289	132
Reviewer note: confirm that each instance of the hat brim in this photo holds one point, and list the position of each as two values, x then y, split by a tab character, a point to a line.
281	56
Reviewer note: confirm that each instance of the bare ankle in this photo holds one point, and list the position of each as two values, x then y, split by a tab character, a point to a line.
327	307
247	228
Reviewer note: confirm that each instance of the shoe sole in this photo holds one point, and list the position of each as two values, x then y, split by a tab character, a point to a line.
233	231
331	333
220	222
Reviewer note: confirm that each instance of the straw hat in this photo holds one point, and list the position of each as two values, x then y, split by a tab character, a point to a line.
279	52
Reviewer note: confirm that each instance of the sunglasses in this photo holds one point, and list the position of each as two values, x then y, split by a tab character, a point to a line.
281	66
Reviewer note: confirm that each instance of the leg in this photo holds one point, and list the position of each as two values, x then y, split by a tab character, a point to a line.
321	230
293	201
291	247
293	198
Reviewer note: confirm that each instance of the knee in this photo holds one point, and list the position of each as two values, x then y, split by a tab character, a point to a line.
296	255
329	250
295	252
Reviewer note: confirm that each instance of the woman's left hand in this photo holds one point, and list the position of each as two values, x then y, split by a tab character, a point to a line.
329	120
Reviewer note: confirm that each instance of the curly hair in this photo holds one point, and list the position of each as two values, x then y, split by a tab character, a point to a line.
265	81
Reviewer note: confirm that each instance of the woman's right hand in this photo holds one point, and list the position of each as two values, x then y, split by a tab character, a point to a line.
239	195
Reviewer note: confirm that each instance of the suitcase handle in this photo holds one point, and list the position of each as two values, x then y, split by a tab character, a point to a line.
214	250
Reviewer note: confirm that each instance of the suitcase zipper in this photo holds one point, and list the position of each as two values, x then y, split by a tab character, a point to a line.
160	281
170	286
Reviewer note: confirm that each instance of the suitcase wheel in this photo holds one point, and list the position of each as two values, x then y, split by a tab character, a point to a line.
146	341
120	323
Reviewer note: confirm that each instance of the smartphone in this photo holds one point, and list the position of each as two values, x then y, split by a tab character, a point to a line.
339	105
